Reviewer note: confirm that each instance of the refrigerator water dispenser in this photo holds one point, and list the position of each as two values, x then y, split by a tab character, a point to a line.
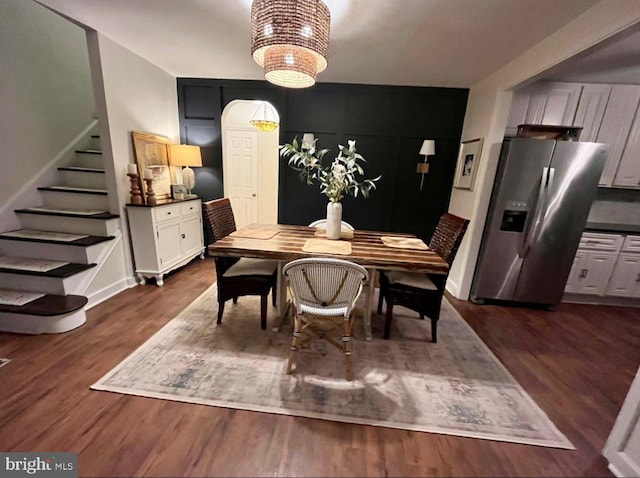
513	221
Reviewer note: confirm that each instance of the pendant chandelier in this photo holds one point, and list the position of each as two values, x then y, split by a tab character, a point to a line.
263	119
290	39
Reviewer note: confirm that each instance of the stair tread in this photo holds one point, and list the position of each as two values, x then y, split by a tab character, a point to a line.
89	151
82	169
41	268
47	305
81	213
52	237
71	189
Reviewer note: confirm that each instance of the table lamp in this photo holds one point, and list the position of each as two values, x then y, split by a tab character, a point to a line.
188	156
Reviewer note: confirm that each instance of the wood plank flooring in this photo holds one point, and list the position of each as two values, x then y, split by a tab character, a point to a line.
577	363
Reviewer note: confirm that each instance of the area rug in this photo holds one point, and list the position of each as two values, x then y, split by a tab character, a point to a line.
454	387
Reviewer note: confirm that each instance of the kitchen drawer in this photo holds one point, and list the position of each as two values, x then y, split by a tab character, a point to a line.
191	207
631	244
166	213
601	242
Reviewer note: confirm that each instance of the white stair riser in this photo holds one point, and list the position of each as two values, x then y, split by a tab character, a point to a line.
36	324
49	285
83	179
94	143
57	199
53	252
72	225
88	160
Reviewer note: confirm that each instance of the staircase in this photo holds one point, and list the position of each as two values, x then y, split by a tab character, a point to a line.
46	266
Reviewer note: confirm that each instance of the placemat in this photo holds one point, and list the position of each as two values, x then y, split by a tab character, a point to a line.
29	264
404	242
326	246
255	233
346	234
17	297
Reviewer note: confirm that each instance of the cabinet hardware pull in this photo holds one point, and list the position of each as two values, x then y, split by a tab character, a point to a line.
169	213
183	236
583	273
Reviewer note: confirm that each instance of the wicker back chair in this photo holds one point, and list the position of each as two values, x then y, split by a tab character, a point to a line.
423	292
324	292
237	276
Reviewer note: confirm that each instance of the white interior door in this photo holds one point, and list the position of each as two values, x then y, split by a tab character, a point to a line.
240	175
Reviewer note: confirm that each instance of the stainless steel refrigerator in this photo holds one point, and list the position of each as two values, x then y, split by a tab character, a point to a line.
539	206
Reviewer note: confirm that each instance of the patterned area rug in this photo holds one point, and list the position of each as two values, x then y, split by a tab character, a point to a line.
454	387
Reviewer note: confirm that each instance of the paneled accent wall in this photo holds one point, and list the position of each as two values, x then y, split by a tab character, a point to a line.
387	122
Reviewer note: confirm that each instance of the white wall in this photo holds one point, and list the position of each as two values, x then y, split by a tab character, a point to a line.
131	95
488	109
45	93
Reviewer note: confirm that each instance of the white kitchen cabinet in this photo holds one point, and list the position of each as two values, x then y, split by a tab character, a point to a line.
518	110
625	279
591	108
592	272
553	103
165	237
628	173
616	125
593	263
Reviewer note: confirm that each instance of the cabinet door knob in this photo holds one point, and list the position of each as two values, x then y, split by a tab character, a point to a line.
253	195
183	236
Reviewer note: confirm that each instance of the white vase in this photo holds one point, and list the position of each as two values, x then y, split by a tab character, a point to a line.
334	220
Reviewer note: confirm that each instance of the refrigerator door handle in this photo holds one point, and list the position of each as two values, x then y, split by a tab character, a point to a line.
534	225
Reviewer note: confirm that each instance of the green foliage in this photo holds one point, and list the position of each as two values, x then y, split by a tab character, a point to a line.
337	180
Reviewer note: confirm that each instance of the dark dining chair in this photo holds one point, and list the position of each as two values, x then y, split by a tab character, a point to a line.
238	276
419	292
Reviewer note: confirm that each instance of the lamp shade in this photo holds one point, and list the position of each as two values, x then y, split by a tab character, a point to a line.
185	155
289	39
428	147
307	140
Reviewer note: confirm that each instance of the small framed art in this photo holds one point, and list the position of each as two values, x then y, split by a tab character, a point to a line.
468	159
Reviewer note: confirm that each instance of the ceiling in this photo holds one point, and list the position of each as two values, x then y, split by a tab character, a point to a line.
453	43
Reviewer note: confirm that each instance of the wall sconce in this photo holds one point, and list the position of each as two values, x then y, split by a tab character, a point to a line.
188	156
307	141
428	149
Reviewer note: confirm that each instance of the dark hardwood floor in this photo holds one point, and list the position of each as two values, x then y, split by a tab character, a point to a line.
577	363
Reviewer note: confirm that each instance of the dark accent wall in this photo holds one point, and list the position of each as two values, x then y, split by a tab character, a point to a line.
388	123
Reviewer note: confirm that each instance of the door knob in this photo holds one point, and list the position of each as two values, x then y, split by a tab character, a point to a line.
253	195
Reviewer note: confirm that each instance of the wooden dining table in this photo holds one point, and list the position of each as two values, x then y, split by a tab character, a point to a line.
285	243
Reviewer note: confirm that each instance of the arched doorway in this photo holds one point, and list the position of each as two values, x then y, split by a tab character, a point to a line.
250	163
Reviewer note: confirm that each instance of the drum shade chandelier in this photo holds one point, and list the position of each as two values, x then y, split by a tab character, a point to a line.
290	39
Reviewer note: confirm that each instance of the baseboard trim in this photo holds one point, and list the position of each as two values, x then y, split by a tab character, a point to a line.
600	300
109	291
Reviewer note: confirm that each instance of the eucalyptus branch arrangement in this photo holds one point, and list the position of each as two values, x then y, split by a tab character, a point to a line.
339	179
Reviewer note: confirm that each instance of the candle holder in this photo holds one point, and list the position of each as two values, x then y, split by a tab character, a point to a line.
136	194
151	194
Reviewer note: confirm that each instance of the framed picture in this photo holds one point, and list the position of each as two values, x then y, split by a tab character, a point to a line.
152	153
468	160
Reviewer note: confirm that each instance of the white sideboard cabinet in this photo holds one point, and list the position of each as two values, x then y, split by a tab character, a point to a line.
165	237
